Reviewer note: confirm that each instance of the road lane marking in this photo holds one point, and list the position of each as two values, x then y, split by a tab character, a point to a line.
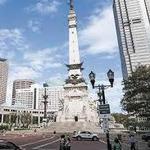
103	141
37	147
37	141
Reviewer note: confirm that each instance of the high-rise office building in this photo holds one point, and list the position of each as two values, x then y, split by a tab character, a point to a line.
55	96
147	5
24	98
133	32
20	84
3	79
32	98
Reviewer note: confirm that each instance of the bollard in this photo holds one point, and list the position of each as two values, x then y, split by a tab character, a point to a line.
23	135
44	136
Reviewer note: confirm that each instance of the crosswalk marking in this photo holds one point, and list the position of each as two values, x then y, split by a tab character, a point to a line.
37	147
37	141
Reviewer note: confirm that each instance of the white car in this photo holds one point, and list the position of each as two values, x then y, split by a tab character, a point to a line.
85	135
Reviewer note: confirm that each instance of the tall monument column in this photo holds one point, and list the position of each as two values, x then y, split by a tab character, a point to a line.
74	56
76	102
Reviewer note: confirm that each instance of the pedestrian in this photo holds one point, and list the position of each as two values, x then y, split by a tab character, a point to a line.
35	130
117	144
68	143
132	142
62	142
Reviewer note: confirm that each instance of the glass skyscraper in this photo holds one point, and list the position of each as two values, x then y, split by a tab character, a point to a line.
132	19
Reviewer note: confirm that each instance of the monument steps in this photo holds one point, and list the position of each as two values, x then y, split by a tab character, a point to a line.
70	127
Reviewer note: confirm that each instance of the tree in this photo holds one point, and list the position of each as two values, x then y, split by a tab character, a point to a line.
26	119
35	120
136	89
6	118
121	118
13	118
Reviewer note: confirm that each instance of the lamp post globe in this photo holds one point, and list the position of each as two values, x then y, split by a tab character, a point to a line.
110	75
45	84
92	78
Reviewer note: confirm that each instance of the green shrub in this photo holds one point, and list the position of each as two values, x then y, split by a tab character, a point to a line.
4	127
22	129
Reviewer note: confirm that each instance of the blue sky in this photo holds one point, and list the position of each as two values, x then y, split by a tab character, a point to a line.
34	39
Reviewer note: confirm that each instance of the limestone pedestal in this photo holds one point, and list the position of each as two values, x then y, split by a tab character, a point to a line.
77	106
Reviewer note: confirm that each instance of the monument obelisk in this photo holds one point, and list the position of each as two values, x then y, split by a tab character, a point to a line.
76	102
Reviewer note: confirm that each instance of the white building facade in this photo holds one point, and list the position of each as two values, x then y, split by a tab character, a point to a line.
24	98
32	98
133	32
55	95
20	84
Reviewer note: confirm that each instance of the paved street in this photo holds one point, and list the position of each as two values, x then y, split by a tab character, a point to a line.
49	141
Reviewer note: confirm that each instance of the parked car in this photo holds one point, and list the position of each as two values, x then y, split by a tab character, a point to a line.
148	144
85	135
146	137
4	144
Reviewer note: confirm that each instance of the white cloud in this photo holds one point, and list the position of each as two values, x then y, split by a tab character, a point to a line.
24	72
99	36
2	2
57	80
42	59
11	39
45	7
23	62
34	25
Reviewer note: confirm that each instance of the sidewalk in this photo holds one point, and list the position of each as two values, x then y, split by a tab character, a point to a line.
140	145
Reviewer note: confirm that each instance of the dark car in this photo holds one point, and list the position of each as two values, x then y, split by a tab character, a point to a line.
4	144
148	144
146	137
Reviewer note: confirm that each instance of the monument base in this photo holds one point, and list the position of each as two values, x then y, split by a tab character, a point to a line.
70	127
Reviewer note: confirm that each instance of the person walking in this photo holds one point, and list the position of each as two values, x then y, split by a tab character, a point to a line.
132	142
117	144
62	142
68	143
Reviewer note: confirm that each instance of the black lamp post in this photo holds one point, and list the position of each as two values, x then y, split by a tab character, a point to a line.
110	75
45	96
101	93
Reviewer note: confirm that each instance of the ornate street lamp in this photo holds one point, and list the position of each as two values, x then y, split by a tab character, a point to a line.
101	94
110	75
92	78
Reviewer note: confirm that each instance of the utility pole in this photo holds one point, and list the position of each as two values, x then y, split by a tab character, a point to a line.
45	102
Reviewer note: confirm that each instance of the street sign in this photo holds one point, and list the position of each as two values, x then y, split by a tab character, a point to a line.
105	115
105	125
104	109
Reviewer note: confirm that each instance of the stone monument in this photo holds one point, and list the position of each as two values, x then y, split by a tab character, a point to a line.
77	107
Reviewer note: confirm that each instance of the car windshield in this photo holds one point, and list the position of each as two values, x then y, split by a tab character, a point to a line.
83	132
7	145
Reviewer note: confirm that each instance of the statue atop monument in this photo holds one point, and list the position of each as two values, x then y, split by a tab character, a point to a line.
71	5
